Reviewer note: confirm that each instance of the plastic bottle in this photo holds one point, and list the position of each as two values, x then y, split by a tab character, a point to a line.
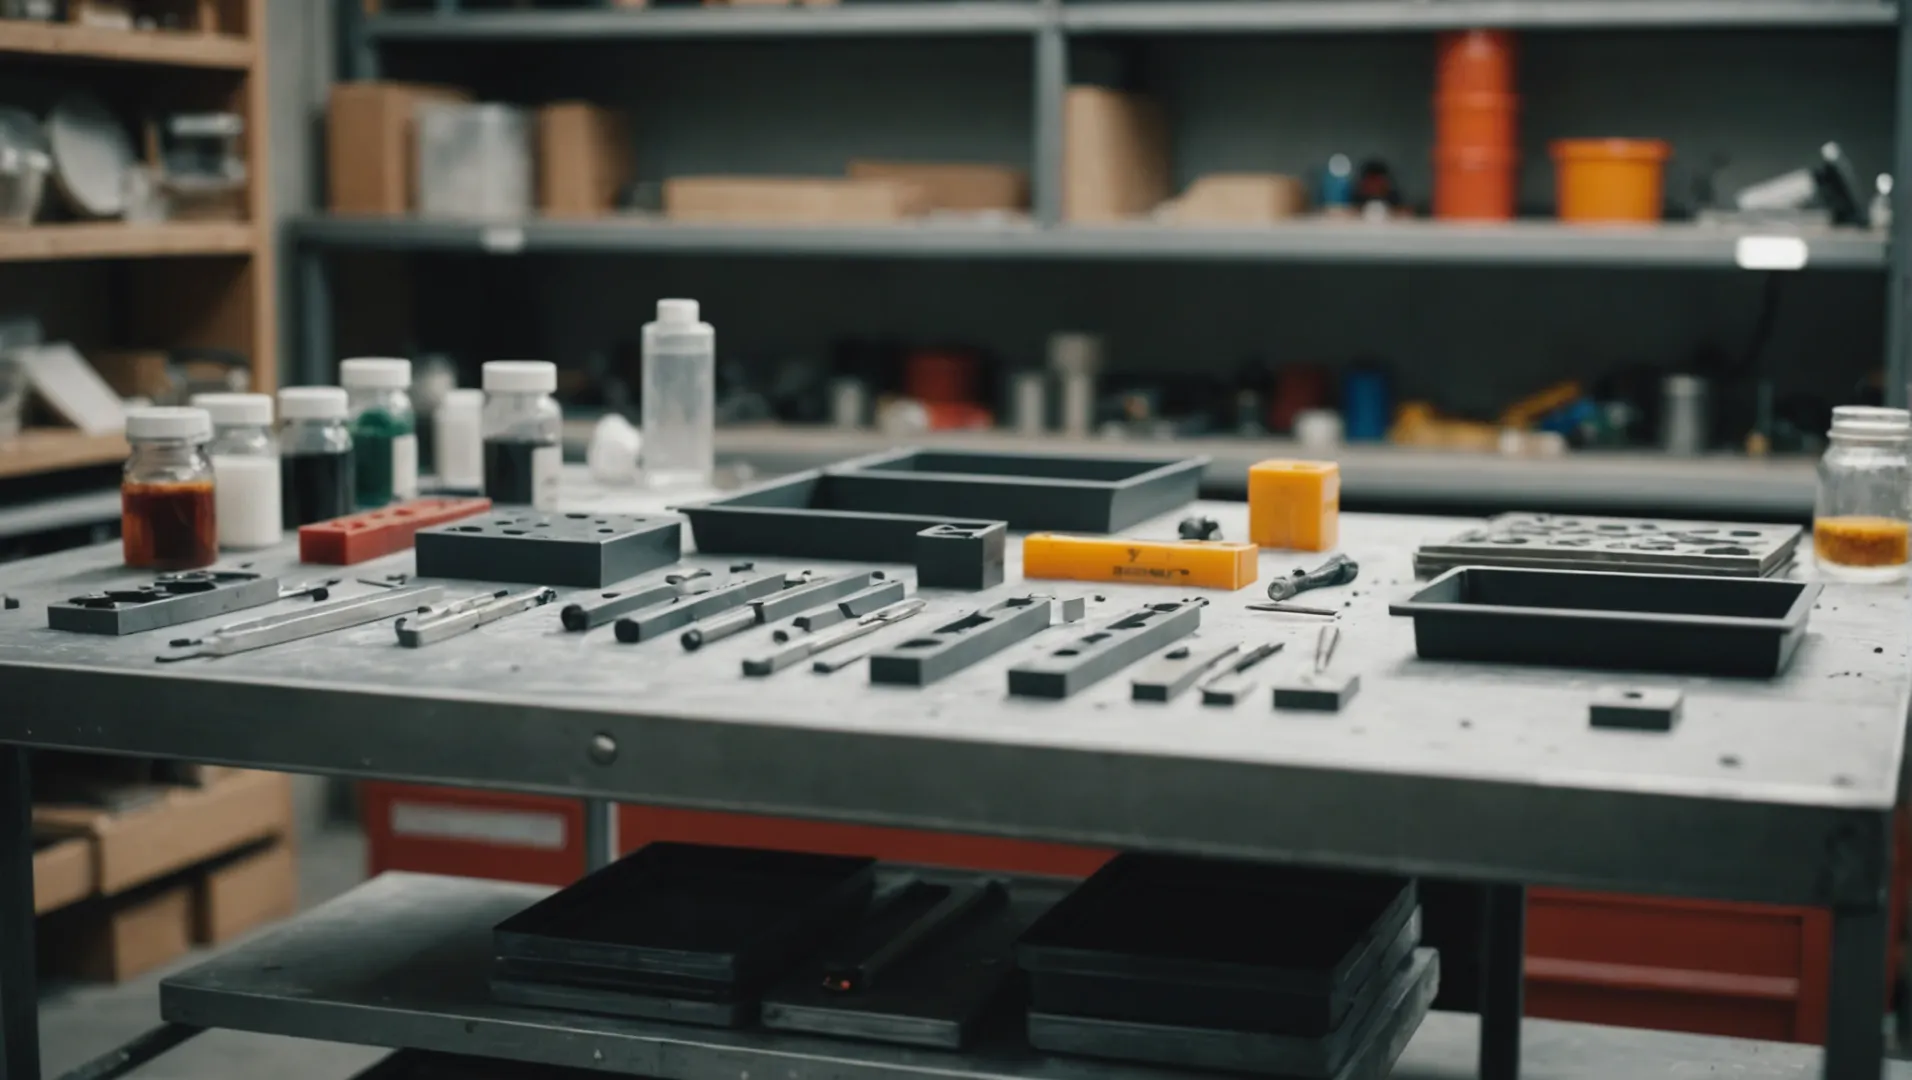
680	397
315	455
459	435
384	429
245	468
167	515
522	427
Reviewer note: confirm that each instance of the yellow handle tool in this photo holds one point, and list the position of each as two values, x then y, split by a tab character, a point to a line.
1200	564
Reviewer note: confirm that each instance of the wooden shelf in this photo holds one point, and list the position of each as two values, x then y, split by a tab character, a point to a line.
119	240
172	48
43	450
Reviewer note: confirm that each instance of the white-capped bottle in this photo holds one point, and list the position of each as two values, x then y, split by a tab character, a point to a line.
245	468
680	397
523	428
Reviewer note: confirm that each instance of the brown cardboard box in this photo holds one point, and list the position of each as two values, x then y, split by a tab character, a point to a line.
240	894
791	200
584	159
63	872
952	186
114	940
185	827
1239	199
1115	155
134	372
370	149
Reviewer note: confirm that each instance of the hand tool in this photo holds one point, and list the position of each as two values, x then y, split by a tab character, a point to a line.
437	624
1296	609
663	618
805	648
1325	643
850	607
1163	678
956	645
389	581
1113	646
317	590
1232	685
1202	564
787	602
1338	570
863	968
1199	528
307	622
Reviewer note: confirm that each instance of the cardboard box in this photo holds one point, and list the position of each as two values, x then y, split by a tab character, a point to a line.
237	895
183	828
63	872
791	200
584	159
114	940
952	186
1115	155
371	152
1239	199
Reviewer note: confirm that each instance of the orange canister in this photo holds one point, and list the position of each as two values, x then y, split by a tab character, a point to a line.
1475	184
1610	179
1474	62
1468	120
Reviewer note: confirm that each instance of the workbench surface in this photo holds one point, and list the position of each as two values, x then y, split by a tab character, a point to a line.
1490	772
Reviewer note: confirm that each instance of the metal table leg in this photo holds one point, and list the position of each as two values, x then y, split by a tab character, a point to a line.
1502	978
19	993
1855	998
600	834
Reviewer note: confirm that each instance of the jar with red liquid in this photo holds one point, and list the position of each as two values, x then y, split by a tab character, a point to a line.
166	493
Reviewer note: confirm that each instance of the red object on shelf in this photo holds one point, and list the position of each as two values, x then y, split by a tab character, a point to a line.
958	416
1474	62
537	839
358	537
1474	185
1476	121
940	376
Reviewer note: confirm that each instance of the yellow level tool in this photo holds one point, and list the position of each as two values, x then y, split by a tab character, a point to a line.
1202	564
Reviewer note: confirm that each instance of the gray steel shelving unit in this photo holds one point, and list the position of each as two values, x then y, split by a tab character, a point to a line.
1050	25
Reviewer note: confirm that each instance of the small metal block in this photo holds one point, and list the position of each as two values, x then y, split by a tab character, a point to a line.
169	601
966	557
1071	609
1635	709
11	603
1322	692
587	551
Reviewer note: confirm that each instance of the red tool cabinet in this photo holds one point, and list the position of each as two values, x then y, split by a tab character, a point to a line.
1748	970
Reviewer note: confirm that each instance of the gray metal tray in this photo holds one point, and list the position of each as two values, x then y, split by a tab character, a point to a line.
1629	545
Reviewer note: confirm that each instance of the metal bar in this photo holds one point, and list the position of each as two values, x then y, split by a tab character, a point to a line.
292	626
1080	663
600	834
648	624
1856	983
19	993
314	316
1176	670
769	610
1392	16
953	19
1427	242
1502	978
1051	86
867	602
428	626
607	606
969	639
1898	303
121	1060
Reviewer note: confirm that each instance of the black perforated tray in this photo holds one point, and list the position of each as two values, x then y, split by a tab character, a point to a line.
731	916
1641	622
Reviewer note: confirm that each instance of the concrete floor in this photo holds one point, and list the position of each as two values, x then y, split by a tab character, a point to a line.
78	1023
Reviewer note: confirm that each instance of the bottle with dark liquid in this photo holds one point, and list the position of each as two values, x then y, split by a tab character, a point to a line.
167	518
315	455
521	428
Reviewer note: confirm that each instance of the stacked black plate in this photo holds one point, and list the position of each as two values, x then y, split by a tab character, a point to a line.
678	932
1214	964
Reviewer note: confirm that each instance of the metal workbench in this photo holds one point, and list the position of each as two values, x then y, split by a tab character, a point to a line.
1777	791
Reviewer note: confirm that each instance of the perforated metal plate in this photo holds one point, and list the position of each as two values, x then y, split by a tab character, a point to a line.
584	550
1637	545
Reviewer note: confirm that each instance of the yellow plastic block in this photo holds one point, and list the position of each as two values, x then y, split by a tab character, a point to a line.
1295	505
1200	564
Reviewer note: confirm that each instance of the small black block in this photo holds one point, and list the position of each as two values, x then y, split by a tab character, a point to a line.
1317	693
968	556
1635	710
587	551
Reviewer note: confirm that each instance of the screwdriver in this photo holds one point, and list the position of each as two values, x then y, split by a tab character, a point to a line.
1339	570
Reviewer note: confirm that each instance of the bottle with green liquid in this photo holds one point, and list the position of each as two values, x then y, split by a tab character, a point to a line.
384	429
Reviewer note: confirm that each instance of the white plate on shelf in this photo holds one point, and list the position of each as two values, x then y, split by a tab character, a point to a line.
92	153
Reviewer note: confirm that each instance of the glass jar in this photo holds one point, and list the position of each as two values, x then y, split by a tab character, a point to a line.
522	424
167	517
315	455
1863	517
384	429
245	468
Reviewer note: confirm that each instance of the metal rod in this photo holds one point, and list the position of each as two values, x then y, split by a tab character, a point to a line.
803	650
1502	975
875	598
663	618
1898	297
600	834
308	622
788	602
126	1058
961	901
609	605
1051	76
434	625
19	993
1856	984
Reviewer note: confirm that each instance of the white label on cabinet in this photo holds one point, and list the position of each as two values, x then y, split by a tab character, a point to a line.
1770	253
502	239
508	828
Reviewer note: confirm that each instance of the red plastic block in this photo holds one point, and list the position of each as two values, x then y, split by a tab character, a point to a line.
358	537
